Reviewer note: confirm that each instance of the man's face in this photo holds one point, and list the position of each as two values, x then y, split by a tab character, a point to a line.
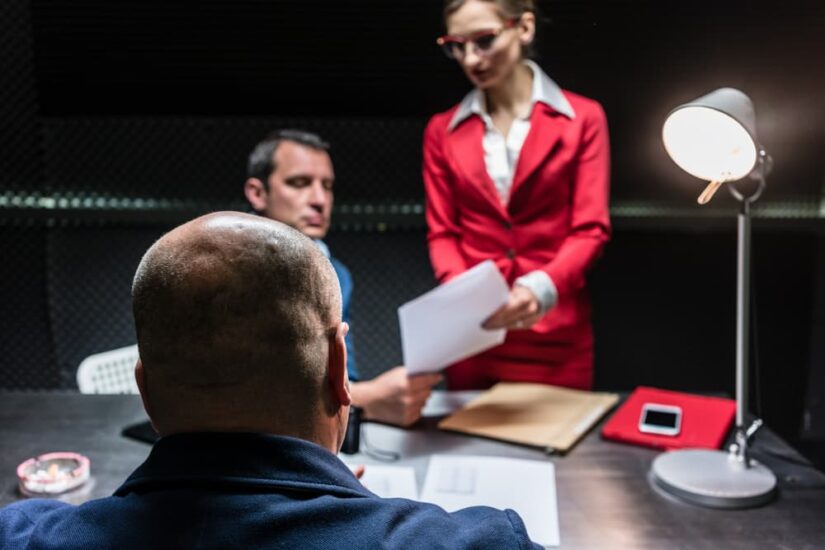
300	189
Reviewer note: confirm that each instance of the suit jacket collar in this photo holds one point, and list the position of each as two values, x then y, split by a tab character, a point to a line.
243	459
545	90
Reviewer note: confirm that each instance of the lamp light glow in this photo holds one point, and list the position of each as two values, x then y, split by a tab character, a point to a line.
709	144
713	138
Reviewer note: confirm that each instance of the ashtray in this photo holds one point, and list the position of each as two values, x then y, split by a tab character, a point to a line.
53	473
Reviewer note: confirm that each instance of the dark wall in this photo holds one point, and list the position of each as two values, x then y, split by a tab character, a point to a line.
121	119
372	58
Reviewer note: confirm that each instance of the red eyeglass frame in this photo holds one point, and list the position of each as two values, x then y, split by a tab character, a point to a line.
447	39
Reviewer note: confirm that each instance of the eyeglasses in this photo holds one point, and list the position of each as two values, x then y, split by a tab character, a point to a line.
454	47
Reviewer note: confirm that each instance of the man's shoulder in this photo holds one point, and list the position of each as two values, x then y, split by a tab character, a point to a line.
423	525
371	521
28	512
338	265
585	108
439	122
343	273
26	520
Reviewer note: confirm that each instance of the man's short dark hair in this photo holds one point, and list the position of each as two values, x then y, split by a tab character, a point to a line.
261	161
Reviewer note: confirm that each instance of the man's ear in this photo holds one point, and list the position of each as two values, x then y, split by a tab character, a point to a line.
256	194
337	376
140	378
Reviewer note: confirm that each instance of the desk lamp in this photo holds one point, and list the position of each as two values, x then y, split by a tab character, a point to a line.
714	138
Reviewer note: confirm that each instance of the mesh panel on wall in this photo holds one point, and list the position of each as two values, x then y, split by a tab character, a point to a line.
90	272
19	147
91	269
184	158
26	360
388	269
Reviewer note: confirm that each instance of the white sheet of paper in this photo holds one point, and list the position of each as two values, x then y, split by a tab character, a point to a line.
390	481
444	325
526	486
442	403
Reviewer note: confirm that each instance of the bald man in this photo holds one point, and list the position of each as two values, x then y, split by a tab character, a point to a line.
242	371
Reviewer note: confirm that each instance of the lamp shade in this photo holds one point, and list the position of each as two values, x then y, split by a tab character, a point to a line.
713	137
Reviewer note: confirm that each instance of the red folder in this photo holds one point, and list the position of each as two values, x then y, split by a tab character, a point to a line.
705	420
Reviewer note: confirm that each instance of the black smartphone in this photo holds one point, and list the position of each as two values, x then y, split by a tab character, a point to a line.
352	439
142	431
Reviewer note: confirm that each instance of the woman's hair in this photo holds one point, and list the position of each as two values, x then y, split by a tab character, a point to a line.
510	9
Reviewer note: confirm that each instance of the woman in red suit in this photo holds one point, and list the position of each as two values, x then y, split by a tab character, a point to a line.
518	172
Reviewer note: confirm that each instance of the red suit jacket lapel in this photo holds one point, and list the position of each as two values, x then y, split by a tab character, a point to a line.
544	136
468	151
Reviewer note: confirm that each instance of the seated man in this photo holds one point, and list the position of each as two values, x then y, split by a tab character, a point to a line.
290	180
243	372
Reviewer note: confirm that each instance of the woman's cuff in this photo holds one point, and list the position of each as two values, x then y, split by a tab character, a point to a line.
542	286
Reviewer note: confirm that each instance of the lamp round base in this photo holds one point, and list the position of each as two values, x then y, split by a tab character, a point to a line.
713	478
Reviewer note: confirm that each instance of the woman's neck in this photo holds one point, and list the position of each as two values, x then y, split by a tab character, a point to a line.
513	95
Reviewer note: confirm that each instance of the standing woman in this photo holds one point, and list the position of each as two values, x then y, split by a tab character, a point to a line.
518	172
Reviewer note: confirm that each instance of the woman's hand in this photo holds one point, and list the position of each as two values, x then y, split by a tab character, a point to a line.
521	311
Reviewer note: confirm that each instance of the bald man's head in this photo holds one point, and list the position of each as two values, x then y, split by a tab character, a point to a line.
234	317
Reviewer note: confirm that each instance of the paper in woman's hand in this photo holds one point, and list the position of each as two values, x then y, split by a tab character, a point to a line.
444	325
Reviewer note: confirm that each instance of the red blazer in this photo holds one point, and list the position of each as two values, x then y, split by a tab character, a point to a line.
556	220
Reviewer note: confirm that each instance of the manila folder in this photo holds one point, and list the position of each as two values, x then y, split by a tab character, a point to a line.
537	415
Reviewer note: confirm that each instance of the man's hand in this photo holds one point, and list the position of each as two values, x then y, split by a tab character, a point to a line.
394	397
521	311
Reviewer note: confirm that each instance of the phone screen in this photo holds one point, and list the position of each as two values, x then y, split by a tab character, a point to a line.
664	419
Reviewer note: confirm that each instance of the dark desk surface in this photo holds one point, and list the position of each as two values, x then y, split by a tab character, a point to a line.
605	499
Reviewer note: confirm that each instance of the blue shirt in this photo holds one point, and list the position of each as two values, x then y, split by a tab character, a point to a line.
346	284
251	491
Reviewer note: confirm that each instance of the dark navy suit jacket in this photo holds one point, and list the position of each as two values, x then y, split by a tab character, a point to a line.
250	491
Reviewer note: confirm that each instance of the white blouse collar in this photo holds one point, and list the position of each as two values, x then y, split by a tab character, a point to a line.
544	90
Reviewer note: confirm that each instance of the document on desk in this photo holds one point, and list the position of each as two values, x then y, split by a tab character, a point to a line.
526	486
390	481
444	325
538	415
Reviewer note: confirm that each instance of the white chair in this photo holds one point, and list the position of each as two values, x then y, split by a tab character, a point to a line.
109	372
